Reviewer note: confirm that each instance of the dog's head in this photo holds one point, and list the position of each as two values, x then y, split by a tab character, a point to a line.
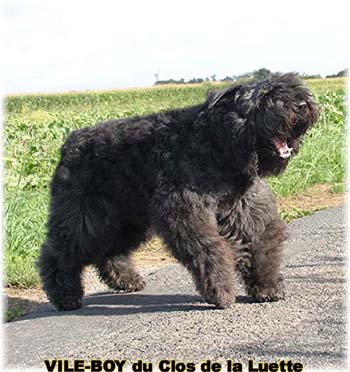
279	110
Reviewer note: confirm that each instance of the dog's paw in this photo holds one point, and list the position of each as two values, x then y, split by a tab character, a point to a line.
68	304
137	284
221	298
269	294
126	286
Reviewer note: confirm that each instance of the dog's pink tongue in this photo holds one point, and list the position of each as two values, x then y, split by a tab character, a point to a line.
283	149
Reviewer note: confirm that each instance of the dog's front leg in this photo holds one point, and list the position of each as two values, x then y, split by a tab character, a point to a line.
187	224
261	266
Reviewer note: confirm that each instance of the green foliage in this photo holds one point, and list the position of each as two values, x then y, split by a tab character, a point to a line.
290	215
262	73
36	126
14	313
25	218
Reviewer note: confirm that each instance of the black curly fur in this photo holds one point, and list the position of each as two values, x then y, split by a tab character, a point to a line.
191	175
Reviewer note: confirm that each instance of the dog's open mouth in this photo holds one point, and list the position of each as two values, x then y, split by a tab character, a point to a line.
283	150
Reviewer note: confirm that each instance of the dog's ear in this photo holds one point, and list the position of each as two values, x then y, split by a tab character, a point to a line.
215	97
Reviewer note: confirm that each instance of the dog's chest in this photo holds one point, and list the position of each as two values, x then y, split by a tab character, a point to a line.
241	219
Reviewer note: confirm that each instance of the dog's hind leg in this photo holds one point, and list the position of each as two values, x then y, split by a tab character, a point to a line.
76	235
187	224
81	228
118	271
119	274
260	265
60	271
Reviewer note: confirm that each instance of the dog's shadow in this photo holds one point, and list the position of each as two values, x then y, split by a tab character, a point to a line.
112	304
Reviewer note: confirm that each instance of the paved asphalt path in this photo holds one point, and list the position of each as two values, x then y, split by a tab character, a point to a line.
168	320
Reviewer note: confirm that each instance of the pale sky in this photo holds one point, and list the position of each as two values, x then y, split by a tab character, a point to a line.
64	45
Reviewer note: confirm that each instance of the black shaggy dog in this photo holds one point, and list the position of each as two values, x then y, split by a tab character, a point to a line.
192	176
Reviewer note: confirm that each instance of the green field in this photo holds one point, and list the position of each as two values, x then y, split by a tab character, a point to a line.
36	125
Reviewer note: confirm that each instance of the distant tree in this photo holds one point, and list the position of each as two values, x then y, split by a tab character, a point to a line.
170	81
339	74
213	77
196	81
343	73
227	78
262	73
310	76
163	82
